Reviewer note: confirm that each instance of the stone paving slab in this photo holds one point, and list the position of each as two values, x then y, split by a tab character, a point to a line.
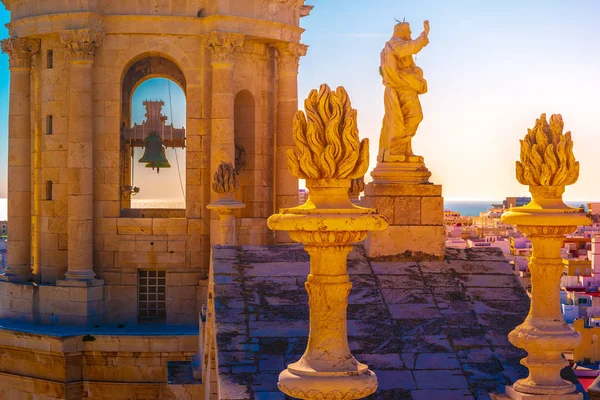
430	330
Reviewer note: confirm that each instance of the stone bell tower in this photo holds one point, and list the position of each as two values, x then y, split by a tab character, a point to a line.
79	254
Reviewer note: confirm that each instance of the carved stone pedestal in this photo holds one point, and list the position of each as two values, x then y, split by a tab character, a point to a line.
414	207
226	207
328	224
544	334
547	165
514	395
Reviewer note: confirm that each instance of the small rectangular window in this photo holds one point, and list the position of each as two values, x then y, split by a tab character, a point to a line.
50	59
49	124
49	190
152	285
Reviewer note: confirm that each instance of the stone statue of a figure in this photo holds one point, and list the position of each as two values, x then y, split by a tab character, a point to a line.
403	82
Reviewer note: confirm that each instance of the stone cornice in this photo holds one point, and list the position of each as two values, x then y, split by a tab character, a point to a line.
290	53
82	43
222	45
7	3
20	50
263	30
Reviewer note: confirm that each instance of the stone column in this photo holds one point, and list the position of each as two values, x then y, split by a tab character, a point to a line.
19	51
222	141
286	185
81	44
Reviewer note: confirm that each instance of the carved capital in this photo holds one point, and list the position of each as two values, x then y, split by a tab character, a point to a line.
20	50
222	46
290	53
81	43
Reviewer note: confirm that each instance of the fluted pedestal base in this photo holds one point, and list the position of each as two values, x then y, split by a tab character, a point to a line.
226	207
511	393
309	384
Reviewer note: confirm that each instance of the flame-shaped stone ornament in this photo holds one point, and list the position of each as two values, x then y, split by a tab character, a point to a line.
547	165
328	155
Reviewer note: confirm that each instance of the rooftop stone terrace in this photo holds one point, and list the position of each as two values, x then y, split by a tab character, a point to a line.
429	329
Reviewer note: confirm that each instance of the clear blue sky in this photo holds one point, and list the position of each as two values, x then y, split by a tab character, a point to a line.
492	67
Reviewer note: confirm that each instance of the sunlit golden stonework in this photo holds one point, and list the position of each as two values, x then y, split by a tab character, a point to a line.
327	144
329	155
83	251
547	165
547	155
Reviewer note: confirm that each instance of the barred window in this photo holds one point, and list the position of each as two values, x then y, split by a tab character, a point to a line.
152	294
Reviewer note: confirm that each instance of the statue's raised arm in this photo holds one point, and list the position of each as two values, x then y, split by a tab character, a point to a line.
403	82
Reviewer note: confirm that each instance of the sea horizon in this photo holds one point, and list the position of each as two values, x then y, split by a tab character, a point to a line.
463	206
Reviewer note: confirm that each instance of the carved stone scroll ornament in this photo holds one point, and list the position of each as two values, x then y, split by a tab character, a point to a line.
82	43
20	50
290	53
222	45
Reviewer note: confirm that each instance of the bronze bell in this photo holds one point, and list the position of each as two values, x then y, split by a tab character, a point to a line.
154	153
162	163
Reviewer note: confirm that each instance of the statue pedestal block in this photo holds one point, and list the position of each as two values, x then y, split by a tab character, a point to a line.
414	208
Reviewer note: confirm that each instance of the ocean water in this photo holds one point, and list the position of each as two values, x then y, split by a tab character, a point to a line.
159	203
469	208
473	208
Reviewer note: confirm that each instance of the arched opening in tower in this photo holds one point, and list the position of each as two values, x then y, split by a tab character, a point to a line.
153	154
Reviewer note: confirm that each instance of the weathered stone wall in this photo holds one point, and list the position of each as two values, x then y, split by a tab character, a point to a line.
102	367
52	101
124	240
123	245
